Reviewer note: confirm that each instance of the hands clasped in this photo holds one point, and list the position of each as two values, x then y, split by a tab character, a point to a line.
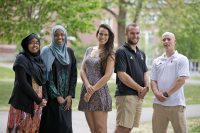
67	102
90	91
142	92
43	103
160	96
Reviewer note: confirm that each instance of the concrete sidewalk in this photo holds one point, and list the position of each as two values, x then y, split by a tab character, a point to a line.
80	124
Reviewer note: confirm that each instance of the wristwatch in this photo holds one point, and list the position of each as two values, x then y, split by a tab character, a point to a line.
165	94
147	88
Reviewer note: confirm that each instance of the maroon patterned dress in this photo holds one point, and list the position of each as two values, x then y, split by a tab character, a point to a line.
22	122
101	99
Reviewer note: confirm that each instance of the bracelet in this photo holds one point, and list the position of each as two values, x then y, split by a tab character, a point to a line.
165	94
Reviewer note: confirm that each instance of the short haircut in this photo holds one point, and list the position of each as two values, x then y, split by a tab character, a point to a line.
131	25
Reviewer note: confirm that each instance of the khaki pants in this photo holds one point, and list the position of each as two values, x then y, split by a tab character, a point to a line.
163	114
128	111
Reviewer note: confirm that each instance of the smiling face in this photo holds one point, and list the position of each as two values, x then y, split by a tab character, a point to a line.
102	36
34	46
169	41
133	35
59	36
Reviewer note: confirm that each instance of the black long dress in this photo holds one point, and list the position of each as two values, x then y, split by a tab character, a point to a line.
62	82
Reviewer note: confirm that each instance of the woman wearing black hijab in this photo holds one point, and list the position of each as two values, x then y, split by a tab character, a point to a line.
27	97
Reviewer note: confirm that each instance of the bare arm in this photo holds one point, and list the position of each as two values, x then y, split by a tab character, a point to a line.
103	80
180	81
83	73
154	86
146	79
183	70
128	81
107	75
86	83
146	85
159	95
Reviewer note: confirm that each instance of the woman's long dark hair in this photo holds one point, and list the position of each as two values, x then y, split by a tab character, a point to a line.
108	47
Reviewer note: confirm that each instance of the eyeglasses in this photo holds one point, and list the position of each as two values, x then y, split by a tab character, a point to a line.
34	42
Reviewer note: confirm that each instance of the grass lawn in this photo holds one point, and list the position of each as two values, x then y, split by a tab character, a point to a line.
5	92
192	91
195	78
6	73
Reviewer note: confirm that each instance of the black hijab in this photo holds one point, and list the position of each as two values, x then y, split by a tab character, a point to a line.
31	62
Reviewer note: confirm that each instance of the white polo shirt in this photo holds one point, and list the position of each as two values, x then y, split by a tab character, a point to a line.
165	70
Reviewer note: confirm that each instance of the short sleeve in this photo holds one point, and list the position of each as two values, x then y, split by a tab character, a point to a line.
120	61
183	67
153	71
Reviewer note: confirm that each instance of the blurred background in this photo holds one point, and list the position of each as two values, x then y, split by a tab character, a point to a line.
81	18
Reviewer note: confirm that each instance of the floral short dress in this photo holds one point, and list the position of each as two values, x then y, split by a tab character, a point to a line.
101	100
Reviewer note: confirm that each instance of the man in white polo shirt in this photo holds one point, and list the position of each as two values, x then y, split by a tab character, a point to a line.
168	76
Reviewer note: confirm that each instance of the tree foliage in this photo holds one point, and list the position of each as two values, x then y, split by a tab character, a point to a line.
128	11
21	17
183	19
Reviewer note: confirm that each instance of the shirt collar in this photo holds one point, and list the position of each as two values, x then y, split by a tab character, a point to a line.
126	45
173	56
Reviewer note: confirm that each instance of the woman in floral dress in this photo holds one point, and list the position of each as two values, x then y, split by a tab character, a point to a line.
96	69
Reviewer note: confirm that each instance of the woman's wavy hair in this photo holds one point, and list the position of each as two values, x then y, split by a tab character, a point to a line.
108	47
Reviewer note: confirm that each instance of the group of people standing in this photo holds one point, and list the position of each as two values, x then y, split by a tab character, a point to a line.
45	84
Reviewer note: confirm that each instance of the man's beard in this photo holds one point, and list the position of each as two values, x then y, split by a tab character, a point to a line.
132	43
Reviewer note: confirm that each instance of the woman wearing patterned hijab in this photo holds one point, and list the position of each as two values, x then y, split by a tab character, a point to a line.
62	77
26	101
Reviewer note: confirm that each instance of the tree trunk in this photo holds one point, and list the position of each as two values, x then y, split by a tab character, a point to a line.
138	10
121	21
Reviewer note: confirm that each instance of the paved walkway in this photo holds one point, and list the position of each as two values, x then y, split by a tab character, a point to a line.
6	64
80	124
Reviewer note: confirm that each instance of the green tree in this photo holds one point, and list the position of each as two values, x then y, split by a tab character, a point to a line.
128	10
183	19
21	17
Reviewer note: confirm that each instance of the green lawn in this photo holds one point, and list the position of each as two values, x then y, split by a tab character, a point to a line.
5	92
195	78
192	91
6	73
